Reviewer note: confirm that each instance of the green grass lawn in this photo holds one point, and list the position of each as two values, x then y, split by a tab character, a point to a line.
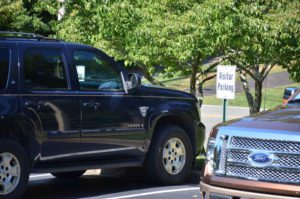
181	82
271	98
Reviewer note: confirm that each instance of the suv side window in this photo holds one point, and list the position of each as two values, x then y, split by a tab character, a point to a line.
44	69
96	73
4	67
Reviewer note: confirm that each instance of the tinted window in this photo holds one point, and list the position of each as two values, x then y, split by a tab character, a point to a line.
4	67
287	92
96	73
44	70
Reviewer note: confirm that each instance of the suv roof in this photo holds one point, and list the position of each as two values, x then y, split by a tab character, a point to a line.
23	36
9	36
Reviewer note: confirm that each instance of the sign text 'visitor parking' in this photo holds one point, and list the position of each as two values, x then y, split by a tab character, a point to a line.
225	86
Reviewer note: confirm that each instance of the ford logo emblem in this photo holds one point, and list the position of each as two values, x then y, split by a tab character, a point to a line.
261	159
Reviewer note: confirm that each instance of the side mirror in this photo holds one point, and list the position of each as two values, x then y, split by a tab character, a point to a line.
135	81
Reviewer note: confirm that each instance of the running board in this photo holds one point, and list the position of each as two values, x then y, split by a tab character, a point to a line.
77	166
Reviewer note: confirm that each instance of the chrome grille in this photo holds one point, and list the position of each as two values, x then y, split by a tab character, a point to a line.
289	161
238	156
265	144
288	176
285	167
222	164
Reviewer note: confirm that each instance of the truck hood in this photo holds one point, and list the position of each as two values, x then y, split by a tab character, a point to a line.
161	92
280	119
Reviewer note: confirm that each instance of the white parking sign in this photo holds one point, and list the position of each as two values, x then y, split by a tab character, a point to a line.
225	86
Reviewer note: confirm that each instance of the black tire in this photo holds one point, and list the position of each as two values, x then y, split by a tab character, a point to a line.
12	147
154	164
68	175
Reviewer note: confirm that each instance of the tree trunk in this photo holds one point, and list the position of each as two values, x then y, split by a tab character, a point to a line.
200	92
253	102
200	89
193	79
258	87
200	86
152	80
258	97
149	77
248	94
258	76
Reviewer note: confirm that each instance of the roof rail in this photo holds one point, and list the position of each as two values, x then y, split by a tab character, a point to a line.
24	35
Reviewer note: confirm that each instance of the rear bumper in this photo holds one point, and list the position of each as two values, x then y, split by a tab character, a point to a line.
213	192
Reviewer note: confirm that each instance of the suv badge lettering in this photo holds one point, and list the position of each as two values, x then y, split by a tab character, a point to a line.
260	159
135	125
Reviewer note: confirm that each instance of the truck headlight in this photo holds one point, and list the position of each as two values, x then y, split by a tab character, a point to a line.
210	155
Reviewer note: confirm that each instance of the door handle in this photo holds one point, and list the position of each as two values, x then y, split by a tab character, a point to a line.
97	105
92	105
33	105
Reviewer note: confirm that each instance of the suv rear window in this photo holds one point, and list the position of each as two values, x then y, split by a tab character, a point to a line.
4	67
44	70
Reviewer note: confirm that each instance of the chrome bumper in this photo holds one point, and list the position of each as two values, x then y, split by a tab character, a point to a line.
213	192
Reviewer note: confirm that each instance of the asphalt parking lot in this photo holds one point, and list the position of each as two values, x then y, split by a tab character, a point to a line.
93	185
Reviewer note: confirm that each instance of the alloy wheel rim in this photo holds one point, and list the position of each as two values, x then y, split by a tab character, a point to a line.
174	156
10	173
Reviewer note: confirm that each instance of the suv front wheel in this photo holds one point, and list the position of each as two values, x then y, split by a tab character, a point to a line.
14	169
169	158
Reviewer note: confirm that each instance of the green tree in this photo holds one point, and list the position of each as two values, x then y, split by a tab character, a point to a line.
290	46
179	35
106	25
261	38
28	16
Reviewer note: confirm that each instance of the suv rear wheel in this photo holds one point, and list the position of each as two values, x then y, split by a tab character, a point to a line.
69	174
14	169
169	158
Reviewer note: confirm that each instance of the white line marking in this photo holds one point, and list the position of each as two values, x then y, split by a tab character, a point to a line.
40	176
155	192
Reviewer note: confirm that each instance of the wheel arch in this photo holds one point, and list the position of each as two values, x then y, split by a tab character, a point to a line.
182	119
21	131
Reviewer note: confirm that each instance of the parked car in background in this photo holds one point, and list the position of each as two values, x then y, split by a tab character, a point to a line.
294	99
66	108
288	92
255	157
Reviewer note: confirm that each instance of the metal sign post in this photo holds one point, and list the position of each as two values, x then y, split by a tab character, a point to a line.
225	85
224	110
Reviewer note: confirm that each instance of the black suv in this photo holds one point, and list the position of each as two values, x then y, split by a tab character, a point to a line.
66	108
